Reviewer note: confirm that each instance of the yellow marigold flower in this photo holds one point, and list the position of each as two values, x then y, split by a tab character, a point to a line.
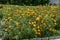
42	11
33	22
52	18
49	25
38	19
39	30
43	22
33	11
52	9
9	14
28	13
46	15
5	29
55	23
4	19
34	25
22	14
53	30
50	29
30	22
45	10
51	15
17	10
34	29
17	23
40	16
9	17
16	6
28	9
10	27
20	10
38	27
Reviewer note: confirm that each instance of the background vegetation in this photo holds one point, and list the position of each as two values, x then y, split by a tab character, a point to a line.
25	2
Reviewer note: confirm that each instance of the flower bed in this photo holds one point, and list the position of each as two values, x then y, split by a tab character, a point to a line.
22	22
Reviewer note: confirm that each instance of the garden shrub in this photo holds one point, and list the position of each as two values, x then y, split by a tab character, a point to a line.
20	22
26	2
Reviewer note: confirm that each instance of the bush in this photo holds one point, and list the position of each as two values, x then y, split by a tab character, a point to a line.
20	22
26	2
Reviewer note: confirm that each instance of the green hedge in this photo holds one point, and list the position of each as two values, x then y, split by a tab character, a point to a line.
25	2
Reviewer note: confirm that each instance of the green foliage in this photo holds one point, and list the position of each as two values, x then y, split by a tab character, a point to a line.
58	21
20	22
26	2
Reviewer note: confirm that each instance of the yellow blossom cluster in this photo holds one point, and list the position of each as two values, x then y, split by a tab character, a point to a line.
37	18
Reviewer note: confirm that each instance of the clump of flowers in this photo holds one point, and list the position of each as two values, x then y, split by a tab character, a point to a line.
29	22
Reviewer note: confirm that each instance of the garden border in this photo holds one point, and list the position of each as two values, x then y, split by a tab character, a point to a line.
44	38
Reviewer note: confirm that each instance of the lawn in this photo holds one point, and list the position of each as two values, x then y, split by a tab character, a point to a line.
29	21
